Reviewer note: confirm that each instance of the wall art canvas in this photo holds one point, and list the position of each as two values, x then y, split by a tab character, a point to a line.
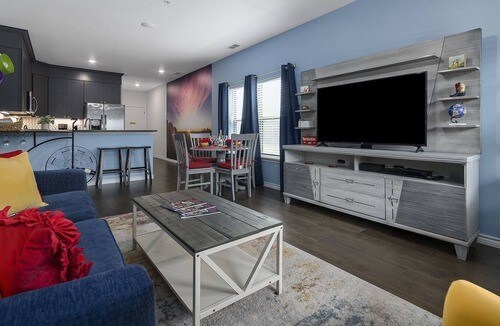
189	106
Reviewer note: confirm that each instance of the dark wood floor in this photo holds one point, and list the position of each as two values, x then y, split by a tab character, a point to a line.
416	268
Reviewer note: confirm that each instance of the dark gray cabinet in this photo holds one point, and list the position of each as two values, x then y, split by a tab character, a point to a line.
93	92
57	98
96	92
65	98
74	98
40	92
10	88
112	93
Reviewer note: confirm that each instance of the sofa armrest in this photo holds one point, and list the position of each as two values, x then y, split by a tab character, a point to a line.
58	181
123	296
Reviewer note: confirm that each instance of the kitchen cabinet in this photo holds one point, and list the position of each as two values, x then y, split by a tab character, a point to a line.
57	105
14	89
96	92
112	93
10	88
74	98
40	92
93	92
65	98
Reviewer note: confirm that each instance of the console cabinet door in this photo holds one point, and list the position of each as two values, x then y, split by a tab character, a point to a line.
301	180
431	207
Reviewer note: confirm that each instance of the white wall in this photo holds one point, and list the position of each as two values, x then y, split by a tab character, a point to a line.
156	118
134	98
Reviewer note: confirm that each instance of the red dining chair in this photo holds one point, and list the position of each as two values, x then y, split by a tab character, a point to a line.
188	167
239	165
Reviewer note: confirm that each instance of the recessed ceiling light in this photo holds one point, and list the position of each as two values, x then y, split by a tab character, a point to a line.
92	61
148	25
161	71
137	84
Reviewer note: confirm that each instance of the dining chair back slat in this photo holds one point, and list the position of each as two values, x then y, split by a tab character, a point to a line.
195	142
181	150
241	151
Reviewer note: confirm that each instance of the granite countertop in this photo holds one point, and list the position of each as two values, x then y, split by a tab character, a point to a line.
79	131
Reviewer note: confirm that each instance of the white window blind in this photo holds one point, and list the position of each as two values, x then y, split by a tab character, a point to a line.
268	103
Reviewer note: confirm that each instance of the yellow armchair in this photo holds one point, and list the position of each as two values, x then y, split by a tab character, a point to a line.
469	304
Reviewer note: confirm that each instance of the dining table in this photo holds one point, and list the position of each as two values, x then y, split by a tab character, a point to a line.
220	151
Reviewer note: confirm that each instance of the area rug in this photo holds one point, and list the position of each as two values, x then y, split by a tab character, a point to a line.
314	292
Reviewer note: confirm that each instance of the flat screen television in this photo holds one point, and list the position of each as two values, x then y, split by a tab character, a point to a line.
390	110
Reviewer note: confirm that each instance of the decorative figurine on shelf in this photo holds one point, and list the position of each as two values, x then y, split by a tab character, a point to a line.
6	66
305	89
457	111
459	89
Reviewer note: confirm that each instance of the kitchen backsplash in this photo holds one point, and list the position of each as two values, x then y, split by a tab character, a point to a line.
31	123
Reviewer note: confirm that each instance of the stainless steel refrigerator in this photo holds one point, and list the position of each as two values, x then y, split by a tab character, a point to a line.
105	116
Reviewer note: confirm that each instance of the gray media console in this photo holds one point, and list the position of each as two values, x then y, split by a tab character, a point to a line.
446	209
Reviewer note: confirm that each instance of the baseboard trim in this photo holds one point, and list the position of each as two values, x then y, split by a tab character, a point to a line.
488	240
108	179
272	185
170	160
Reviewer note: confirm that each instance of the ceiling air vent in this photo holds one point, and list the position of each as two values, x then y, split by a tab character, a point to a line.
177	73
234	46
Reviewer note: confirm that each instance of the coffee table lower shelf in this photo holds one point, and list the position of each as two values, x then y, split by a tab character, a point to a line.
176	266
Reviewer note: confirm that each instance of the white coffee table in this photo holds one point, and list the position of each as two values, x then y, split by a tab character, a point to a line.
199	258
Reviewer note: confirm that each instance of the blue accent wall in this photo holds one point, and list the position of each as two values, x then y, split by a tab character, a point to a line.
367	27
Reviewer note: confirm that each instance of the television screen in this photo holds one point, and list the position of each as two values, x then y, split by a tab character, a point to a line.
391	110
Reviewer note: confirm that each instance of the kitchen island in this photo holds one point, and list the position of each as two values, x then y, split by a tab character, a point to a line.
51	149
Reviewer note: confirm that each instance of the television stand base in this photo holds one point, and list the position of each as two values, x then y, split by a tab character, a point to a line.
419	149
366	146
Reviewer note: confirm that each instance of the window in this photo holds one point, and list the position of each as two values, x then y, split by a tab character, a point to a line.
268	103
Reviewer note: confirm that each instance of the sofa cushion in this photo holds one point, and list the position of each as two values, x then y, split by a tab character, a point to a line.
76	205
38	250
18	187
99	245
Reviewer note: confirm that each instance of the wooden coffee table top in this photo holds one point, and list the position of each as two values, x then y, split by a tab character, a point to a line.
196	234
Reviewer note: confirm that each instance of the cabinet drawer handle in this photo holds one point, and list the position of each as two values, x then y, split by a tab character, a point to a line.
349	200
349	181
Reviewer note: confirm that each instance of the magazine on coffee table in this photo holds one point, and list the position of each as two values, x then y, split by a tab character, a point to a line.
191	207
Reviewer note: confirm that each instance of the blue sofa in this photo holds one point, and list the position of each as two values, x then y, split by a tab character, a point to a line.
112	294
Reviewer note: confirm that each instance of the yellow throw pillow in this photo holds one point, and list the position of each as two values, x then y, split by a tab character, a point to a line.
18	187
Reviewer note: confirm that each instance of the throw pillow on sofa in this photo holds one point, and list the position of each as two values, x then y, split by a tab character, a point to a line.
39	249
18	187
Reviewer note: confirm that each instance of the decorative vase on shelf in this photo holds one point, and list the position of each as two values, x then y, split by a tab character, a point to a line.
45	126
457	111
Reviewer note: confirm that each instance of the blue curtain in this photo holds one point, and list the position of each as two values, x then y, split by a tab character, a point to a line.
223	109
289	119
250	121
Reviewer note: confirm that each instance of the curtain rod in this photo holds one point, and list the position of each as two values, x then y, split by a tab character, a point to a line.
241	81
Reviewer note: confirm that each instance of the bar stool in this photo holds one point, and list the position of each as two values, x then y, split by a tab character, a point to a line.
100	165
128	163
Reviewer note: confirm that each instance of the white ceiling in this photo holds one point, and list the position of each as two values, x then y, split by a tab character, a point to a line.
188	34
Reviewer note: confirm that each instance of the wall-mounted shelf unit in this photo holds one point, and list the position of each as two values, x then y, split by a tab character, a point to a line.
304	110
460	126
465	69
458	98
304	93
429	57
304	128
